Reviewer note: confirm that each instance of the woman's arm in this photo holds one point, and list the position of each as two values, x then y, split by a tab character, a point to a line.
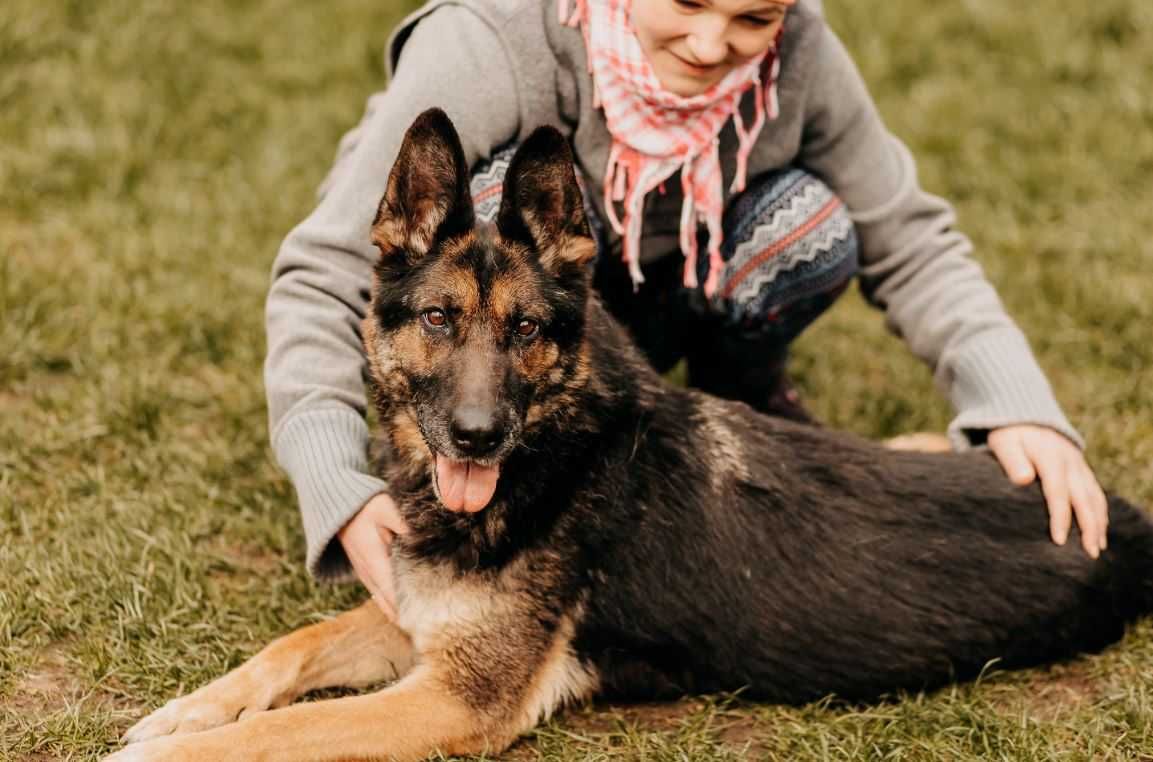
917	266
919	269
315	368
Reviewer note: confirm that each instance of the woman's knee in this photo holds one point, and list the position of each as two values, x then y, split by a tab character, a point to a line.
789	246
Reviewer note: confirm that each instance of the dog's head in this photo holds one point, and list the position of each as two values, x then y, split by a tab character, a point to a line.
475	331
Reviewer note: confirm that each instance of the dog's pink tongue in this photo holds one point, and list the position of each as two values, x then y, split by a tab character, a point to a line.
465	486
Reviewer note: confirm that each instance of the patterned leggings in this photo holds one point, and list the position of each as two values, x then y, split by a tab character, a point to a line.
790	250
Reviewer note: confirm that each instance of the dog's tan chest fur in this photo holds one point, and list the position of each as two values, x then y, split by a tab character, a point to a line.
466	617
433	603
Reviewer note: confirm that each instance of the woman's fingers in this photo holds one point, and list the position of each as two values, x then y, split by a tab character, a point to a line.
367	540
1009	448
1089	518
1102	502
1068	483
1089	498
379	571
1055	486
369	576
385	514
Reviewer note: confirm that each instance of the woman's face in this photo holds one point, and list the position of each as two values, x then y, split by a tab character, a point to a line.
693	44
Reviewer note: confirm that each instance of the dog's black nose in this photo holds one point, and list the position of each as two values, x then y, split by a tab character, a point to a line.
476	431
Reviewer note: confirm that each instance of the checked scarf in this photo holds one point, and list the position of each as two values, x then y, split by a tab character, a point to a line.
656	132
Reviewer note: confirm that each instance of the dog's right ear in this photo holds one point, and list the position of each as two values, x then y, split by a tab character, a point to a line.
427	198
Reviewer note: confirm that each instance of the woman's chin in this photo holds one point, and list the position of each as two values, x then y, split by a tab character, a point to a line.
686	84
686	87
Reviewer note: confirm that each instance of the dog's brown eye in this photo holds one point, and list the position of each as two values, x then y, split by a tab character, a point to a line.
526	328
435	318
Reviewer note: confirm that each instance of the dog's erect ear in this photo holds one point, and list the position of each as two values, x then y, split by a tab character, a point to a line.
541	203
427	198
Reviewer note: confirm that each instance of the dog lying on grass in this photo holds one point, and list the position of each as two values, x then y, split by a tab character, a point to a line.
620	535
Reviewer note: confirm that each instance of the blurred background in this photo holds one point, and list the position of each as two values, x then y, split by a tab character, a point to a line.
154	154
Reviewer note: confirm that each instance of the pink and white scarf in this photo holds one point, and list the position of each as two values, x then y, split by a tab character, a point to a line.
656	132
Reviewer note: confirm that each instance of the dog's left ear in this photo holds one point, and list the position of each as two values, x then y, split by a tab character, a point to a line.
541	204
427	198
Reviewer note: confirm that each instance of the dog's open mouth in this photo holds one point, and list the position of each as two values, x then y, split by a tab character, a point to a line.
464	484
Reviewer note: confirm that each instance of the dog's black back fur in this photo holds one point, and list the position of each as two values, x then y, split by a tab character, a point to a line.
835	566
708	547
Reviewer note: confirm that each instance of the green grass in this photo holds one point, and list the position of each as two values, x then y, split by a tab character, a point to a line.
155	154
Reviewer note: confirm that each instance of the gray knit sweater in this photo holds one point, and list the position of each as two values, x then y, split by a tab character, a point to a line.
500	68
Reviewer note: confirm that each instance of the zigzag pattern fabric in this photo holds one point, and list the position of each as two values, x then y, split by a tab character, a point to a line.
787	237
486	184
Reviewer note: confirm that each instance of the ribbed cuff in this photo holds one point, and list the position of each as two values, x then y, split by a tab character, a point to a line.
994	381
325	454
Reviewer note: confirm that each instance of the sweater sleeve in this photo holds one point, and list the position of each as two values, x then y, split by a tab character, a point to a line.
315	368
917	267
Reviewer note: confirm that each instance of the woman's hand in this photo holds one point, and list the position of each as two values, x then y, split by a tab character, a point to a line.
1026	452
367	540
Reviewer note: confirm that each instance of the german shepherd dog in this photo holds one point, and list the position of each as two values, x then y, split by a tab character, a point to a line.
615	534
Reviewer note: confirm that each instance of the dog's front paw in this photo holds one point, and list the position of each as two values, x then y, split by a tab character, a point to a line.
159	750
181	715
226	700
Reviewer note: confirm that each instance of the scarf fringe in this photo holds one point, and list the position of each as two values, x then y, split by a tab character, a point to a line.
688	227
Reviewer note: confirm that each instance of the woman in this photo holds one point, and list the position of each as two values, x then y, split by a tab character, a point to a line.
736	133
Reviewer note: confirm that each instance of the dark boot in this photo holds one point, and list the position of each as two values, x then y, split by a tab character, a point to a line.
746	368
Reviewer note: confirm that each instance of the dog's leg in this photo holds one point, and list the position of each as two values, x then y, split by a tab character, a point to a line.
406	721
475	689
356	649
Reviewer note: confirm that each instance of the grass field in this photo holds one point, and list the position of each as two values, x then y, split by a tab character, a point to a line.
152	155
